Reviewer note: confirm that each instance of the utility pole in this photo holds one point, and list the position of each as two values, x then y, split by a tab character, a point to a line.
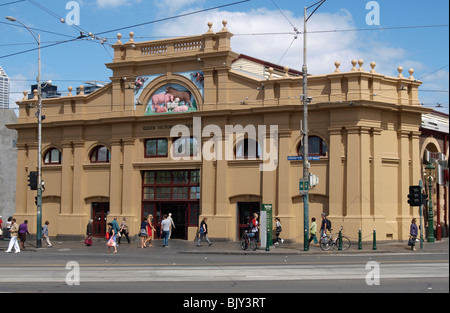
306	101
39	152
305	139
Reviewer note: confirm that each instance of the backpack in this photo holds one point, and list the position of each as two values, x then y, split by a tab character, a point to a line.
328	222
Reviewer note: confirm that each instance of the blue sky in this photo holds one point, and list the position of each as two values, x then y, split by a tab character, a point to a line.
426	49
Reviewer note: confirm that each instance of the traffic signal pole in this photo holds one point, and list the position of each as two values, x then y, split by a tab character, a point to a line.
421	217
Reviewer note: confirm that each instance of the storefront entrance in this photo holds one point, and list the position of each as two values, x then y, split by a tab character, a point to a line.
246	210
100	212
176	192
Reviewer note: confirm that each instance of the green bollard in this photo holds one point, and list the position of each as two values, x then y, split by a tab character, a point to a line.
359	240
340	241
374	240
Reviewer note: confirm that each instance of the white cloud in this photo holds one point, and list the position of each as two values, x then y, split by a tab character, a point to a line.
323	48
170	7
18	84
115	3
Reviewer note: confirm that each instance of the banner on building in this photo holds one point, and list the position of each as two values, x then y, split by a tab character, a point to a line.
441	162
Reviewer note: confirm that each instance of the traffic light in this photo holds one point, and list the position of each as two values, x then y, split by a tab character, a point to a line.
415	196
33	180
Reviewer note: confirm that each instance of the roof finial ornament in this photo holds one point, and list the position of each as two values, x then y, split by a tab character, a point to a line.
354	62
400	70
337	64
361	62
271	70
372	65
224	23
131	37
411	72
210	25
70	91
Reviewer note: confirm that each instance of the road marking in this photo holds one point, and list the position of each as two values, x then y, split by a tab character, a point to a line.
217	273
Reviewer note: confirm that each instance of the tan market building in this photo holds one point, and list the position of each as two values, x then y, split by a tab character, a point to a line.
111	153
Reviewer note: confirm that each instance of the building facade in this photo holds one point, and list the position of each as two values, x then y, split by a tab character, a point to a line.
8	163
4	89
189	127
434	139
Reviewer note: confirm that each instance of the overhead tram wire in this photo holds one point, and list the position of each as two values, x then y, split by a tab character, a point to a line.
12	2
83	33
173	17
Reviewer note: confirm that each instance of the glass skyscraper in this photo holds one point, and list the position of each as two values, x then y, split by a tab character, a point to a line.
4	89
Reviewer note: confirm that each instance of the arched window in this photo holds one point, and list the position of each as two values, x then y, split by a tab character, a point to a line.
52	156
316	147
100	154
247	149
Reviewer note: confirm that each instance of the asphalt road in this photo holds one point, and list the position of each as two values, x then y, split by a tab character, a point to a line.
65	270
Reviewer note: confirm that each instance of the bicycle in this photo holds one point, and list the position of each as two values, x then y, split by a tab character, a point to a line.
248	241
332	240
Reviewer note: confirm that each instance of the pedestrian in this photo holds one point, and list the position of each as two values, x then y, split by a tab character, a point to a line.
326	225
1	227
14	231
165	229
278	230
150	229
203	232
313	232
116	227
255	226
172	224
23	231
89	230
8	227
413	233
143	233
123	230
112	238
45	234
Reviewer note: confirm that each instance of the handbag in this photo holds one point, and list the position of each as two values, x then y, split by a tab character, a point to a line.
143	233
202	231
88	241
411	241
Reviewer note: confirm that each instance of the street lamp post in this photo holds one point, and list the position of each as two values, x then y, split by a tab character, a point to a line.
39	152
429	170
306	101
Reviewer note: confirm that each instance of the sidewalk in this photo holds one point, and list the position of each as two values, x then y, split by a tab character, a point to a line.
220	247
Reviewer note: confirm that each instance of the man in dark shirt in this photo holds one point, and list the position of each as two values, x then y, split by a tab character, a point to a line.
325	225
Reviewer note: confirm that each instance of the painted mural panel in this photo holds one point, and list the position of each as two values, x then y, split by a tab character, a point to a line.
170	98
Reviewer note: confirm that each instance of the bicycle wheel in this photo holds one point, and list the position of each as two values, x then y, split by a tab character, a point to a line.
325	243
243	242
346	243
253	244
